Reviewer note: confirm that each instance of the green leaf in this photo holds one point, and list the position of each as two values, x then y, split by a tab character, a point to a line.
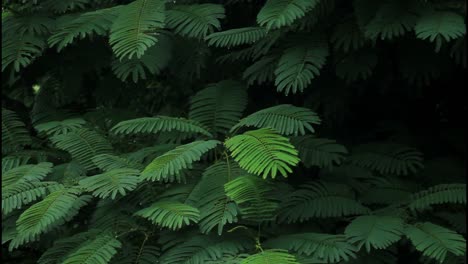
159	124
285	119
271	256
14	133
263	152
219	106
236	37
321	152
437	26
110	183
97	251
435	241
169	165
299	65
131	33
439	194
374	231
173	215
279	13
195	21
330	248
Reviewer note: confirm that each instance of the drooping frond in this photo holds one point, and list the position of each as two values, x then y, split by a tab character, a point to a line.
146	155
388	158
439	26
107	162
348	36
219	106
254	197
279	13
195	21
83	145
55	128
435	241
19	51
319	200
10	162
216	208
263	152
159	124
17	195
357	65
286	119
393	19
132	32
271	256
374	231
14	133
167	167
321	152
173	215
155	59
202	249
326	247
299	65
26	173
97	251
56	208
31	24
90	23
70	172
262	70
110	183
439	194
235	37
65	246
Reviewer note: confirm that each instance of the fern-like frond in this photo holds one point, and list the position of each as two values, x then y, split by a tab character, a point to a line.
235	37
65	5
262	70
30	24
132	32
167	167
173	215
22	193
285	119
155	59
299	65
439	194
219	106
14	133
254	197
159	124
439	26
388	158
326	247
263	152
321	200
271	256
279	13
70	29
107	162
374	231
83	145
435	241
348	36
97	251
195	21
393	19
42	216
55	128
11	162
202	249
19	51
216	208
110	183
321	152
26	173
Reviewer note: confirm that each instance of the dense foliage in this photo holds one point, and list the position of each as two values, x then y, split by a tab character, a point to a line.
237	131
